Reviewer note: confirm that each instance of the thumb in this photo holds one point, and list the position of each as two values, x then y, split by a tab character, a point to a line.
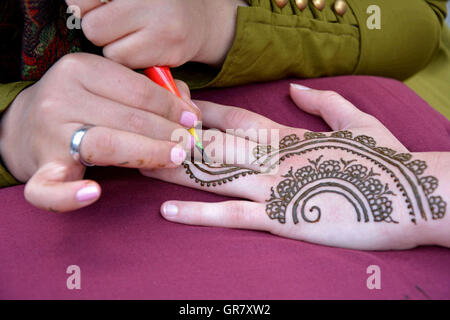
50	189
336	111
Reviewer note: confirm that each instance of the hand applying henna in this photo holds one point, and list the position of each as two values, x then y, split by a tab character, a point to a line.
143	33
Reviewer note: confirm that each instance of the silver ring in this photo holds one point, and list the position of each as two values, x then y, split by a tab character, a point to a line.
75	144
105	1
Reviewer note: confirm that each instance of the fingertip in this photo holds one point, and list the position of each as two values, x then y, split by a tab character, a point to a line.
298	87
61	196
177	155
300	95
89	193
170	210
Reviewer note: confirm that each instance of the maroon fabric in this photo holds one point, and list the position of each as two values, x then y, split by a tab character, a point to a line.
126	250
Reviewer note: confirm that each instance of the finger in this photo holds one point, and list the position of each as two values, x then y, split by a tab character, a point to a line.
219	180
340	114
113	21
229	214
185	93
240	122
84	5
107	113
228	149
51	188
184	90
337	112
109	147
112	81
118	51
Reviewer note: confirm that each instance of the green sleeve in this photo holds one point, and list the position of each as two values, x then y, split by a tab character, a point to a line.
409	36
8	93
272	43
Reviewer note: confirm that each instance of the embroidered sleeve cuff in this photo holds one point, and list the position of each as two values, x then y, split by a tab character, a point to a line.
273	43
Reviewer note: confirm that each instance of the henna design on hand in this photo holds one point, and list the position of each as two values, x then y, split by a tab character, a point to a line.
360	184
352	181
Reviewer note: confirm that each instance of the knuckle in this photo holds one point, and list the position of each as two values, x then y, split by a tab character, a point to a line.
70	63
46	107
135	122
332	95
237	213
237	117
141	94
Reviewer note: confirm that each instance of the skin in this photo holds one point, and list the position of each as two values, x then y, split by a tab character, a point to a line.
133	117
143	33
410	191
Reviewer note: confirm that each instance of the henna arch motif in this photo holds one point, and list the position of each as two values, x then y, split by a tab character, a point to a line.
356	182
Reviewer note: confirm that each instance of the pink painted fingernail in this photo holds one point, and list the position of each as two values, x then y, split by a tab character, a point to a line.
87	194
177	155
188	119
170	210
299	87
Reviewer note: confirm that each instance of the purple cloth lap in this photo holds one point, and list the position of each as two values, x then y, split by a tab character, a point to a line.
125	249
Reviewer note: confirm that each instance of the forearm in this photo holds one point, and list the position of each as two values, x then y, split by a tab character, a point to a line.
8	92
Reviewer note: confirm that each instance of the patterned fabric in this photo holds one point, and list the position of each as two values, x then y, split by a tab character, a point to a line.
46	37
34	35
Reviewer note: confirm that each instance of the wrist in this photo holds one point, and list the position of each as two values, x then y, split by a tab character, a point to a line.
221	28
8	147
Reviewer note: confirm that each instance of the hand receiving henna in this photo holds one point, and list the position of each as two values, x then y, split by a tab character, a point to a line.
356	187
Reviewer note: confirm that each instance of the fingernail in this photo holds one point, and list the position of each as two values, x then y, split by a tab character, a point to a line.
177	155
188	119
87	194
194	105
170	210
299	87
